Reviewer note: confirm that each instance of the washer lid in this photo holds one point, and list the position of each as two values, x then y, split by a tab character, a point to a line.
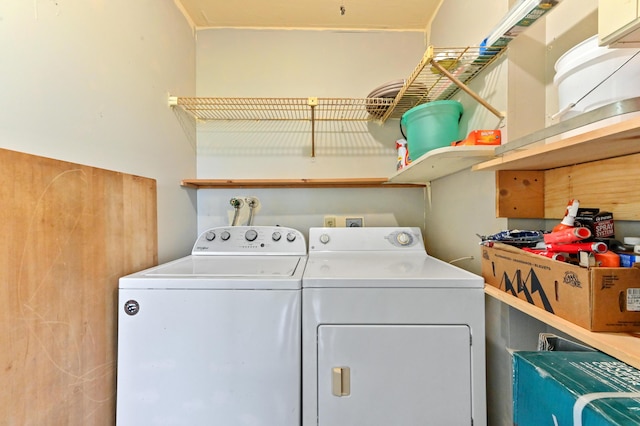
221	272
380	269
227	266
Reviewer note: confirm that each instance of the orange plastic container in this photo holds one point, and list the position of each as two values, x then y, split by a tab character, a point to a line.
481	137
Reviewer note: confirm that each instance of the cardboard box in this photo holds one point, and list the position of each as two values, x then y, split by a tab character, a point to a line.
574	388
598	299
551	342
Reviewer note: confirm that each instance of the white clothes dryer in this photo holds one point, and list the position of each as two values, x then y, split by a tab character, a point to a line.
214	338
391	335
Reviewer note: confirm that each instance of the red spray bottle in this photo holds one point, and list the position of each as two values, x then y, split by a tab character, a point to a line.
569	216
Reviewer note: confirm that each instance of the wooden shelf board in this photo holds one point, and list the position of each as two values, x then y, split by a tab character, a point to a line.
293	183
615	140
623	346
442	162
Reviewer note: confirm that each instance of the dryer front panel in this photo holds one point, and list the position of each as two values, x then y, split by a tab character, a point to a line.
381	375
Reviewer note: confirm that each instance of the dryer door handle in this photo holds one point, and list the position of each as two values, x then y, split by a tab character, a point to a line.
341	381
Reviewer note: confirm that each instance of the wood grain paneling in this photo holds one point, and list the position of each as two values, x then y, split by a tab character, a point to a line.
611	185
519	194
68	233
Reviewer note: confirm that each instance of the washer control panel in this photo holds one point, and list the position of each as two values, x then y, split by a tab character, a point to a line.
366	239
250	240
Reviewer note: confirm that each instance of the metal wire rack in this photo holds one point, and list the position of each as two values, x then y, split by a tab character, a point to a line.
438	76
317	109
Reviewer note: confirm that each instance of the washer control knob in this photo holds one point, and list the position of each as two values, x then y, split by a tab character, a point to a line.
225	235
291	237
404	239
276	236
324	238
251	235
210	236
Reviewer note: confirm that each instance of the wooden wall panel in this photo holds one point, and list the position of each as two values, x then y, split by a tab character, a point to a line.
519	194
68	233
611	185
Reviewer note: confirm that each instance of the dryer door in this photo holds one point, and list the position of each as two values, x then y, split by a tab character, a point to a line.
381	375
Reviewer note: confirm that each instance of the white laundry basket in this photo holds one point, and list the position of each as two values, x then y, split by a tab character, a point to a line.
584	78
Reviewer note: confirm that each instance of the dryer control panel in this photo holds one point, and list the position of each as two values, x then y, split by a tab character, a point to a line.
366	239
250	240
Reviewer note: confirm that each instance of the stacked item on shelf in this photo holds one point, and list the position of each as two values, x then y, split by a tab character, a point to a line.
568	271
430	126
451	68
595	298
389	90
584	237
520	17
480	137
589	76
574	388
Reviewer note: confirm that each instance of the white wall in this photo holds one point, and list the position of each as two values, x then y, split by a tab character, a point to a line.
87	82
302	64
463	204
520	84
304	208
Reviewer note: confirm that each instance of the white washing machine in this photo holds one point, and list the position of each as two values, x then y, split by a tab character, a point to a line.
214	338
391	336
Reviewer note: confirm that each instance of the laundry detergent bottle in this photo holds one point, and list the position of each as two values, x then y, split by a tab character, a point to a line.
403	154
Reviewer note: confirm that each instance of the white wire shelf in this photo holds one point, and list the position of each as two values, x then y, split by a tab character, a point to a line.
317	109
438	76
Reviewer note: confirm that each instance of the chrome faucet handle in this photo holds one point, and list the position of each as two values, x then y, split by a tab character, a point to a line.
236	203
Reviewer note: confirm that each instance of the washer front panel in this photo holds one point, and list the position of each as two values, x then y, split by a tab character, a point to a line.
209	357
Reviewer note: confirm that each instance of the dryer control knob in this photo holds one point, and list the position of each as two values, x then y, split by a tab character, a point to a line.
225	235
403	238
276	236
324	238
251	235
291	237
210	236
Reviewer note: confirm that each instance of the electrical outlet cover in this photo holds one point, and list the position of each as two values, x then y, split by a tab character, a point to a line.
330	222
354	222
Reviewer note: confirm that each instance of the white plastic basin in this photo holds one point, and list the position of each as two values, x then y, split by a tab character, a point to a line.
586	69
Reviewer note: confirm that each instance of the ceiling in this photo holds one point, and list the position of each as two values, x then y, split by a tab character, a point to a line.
312	14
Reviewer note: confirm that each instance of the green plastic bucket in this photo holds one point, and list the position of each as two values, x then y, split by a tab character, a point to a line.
430	126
